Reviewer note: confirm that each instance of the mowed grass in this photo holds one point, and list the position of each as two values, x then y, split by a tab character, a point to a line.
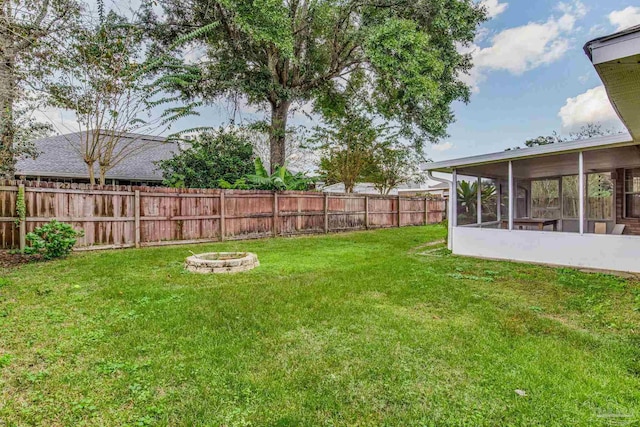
349	329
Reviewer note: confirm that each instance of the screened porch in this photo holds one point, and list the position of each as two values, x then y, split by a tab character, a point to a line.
595	191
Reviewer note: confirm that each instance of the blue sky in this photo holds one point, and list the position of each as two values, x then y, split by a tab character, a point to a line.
531	76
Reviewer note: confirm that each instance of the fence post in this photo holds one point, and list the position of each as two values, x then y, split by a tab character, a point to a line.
222	213
136	215
23	224
366	212
326	212
399	211
426	210
275	213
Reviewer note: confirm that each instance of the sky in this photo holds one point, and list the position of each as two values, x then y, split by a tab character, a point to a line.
530	77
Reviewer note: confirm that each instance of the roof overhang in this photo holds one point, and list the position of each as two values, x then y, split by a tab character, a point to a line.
616	58
612	141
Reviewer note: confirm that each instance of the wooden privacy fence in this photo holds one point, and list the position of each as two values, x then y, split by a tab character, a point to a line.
125	216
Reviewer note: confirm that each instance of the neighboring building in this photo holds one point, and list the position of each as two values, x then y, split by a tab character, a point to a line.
408	189
60	159
572	203
440	189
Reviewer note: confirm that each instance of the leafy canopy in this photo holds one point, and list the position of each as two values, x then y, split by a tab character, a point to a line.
347	144
209	159
274	53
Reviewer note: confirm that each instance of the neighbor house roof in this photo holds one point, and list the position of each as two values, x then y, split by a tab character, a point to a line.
60	158
618	140
439	186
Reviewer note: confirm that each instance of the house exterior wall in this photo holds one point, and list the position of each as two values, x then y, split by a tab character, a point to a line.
632	225
598	251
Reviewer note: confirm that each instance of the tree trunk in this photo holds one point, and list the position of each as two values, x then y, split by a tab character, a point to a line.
277	133
92	173
103	176
7	99
348	187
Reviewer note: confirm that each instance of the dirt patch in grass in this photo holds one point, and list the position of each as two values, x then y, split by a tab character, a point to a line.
9	260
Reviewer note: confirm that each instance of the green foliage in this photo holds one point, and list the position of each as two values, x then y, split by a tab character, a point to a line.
52	240
25	129
405	56
212	160
392	165
112	86
21	207
347	144
280	180
468	195
238	184
32	38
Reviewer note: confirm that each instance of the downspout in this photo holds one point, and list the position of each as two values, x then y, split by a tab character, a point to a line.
449	222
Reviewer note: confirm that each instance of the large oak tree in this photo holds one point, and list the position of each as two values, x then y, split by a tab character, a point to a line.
278	54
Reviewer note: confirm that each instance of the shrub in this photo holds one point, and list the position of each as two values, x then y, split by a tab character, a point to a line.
52	240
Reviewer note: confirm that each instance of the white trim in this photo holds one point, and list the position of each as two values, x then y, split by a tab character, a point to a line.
619	45
479	201
454	199
499	200
581	191
618	140
511	204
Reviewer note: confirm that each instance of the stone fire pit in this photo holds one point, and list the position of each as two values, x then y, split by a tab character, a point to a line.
221	262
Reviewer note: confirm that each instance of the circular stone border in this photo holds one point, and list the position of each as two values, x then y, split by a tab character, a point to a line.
221	262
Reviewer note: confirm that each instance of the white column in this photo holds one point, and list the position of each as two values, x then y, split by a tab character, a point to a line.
479	200
581	190
453	198
499	197
511	195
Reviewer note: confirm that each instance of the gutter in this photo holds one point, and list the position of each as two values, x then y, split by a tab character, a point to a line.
449	223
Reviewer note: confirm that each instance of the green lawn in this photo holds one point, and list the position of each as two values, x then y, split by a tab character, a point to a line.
348	329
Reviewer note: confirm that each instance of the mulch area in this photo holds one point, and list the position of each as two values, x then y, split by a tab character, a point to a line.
8	259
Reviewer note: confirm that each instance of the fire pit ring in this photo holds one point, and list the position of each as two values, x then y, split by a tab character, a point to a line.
221	262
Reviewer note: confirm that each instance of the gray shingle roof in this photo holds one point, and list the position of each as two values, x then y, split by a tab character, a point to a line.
60	158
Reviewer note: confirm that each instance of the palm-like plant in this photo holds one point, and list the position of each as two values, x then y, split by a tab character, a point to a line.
281	179
468	196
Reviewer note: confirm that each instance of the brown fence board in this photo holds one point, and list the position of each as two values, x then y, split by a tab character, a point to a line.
126	216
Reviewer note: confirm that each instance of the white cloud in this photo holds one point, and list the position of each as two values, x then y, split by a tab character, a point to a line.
442	147
520	49
493	7
592	106
625	18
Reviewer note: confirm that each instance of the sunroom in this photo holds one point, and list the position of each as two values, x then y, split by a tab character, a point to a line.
572	203
575	204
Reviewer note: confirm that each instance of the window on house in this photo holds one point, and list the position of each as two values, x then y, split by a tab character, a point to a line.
600	191
489	200
545	198
570	197
632	193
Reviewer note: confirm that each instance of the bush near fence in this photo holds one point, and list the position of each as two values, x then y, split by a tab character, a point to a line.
130	216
